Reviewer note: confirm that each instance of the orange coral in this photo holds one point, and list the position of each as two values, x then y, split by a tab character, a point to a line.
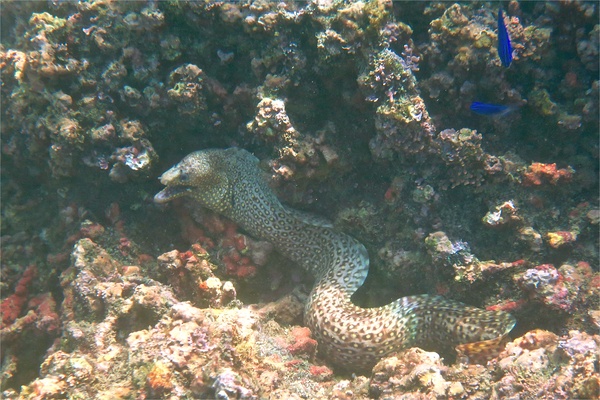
320	372
560	238
508	306
537	173
159	378
303	343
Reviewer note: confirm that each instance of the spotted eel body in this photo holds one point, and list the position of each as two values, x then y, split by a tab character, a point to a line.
230	183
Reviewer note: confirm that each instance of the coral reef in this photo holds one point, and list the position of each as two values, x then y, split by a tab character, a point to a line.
542	364
29	325
538	364
147	343
359	112
559	289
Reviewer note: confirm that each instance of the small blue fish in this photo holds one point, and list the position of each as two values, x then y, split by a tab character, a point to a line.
490	109
504	47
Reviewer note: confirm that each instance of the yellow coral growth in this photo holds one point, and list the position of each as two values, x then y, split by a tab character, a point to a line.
560	238
159	378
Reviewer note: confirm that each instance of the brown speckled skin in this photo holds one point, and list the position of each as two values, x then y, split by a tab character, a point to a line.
354	338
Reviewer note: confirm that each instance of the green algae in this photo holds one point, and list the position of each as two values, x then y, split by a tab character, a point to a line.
484	40
540	100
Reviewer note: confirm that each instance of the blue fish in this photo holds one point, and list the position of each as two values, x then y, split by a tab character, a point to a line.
504	47
490	109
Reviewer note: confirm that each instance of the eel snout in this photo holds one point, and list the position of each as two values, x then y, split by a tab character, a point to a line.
173	180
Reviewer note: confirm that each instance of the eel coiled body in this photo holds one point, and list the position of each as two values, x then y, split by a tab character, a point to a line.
230	183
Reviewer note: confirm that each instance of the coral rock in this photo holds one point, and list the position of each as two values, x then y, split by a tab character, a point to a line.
541	363
505	213
556	288
413	371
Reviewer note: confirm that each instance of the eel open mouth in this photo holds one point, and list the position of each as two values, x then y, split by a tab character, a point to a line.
175	180
170	193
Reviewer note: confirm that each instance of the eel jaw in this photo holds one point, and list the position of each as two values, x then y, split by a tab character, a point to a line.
170	193
174	188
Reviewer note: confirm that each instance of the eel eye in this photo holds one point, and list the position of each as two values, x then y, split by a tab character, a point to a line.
183	176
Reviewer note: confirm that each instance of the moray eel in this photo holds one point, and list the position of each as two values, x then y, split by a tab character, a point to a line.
354	338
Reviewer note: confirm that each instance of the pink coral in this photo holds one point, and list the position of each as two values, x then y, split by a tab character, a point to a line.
47	320
303	343
12	306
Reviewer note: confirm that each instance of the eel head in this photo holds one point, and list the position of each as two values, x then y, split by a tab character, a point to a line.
202	176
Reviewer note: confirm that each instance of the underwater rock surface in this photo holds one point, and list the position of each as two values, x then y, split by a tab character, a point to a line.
359	113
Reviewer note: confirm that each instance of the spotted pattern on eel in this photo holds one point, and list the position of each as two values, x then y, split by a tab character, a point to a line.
354	338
